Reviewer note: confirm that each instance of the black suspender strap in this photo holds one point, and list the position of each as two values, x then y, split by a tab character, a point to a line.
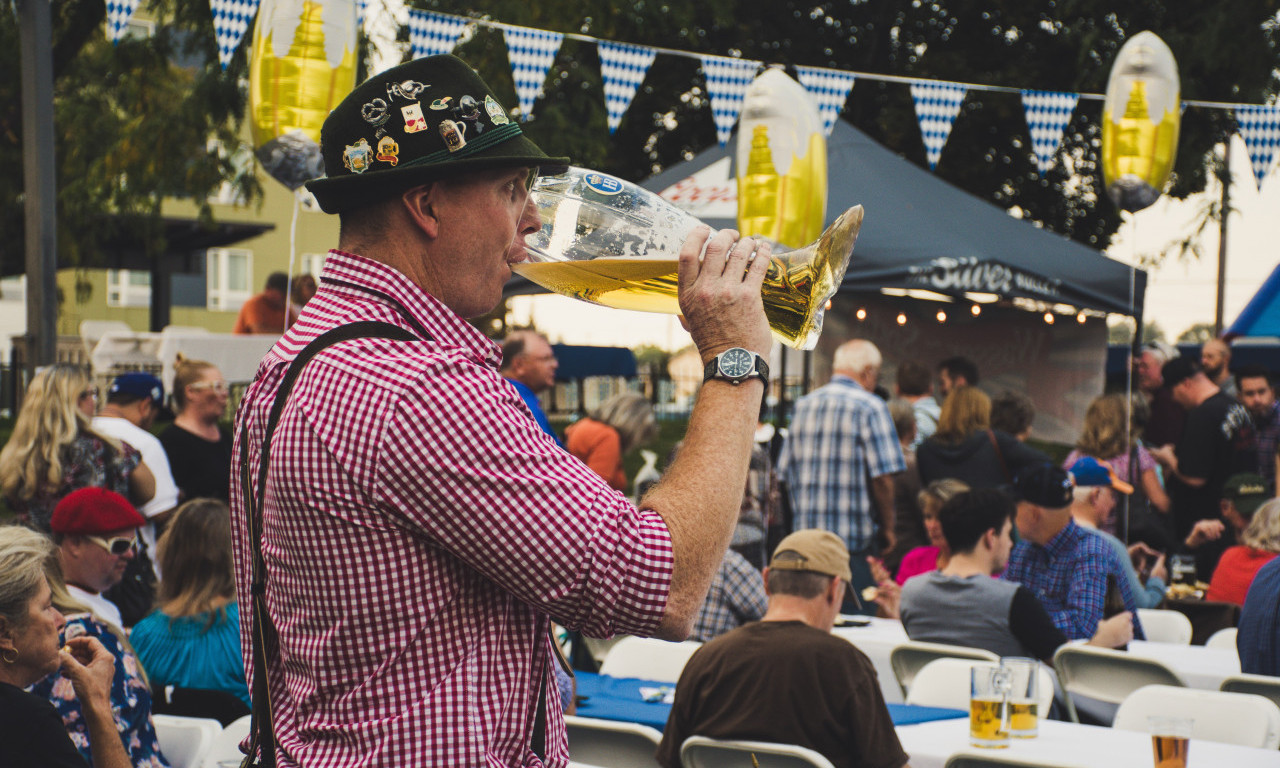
262	747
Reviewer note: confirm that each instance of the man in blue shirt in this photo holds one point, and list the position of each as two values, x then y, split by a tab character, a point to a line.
1258	640
530	365
1063	565
839	459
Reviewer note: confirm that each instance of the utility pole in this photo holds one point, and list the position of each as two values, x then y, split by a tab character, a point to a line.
39	181
1225	178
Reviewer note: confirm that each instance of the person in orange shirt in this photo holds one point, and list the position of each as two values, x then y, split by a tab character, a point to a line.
265	312
1259	544
600	439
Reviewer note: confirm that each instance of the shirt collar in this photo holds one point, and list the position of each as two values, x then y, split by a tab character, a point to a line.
374	278
840	378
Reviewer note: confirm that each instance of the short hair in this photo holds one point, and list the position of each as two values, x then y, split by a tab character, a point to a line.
903	414
960	366
1012	412
914	378
185	373
967	516
631	414
515	342
1263	531
278	281
966	410
1253	372
803	584
23	553
856	355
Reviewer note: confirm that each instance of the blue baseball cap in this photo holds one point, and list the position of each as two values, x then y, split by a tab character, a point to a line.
1089	472
138	384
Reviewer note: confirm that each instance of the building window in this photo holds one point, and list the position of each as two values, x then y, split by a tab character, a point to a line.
128	288
311	264
228	272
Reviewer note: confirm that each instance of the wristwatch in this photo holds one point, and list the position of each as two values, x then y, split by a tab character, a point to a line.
736	365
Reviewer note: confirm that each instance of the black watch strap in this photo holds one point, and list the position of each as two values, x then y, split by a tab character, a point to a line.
759	369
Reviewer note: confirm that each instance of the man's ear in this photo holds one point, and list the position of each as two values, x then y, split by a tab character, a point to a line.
765	575
835	591
419	205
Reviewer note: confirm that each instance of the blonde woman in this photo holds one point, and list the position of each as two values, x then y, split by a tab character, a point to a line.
54	449
1105	438
600	440
966	448
198	447
193	639
1259	545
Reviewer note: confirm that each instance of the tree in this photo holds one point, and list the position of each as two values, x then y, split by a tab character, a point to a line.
135	122
1122	332
1198	333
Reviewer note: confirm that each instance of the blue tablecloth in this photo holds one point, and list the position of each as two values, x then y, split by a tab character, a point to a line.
618	698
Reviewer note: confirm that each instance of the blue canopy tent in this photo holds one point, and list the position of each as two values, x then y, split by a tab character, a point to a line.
1261	316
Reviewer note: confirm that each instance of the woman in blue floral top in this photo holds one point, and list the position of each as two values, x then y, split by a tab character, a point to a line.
130	692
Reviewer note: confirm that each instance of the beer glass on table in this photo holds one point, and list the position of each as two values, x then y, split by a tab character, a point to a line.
1170	740
1024	699
988	706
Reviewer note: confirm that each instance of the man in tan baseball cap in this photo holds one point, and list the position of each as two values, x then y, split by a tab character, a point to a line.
786	678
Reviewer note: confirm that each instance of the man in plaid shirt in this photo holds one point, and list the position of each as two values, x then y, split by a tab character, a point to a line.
839	459
419	529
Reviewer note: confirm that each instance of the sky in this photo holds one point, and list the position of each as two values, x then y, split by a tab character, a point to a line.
1180	292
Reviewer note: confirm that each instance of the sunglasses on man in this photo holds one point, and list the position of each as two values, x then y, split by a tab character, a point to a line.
117	546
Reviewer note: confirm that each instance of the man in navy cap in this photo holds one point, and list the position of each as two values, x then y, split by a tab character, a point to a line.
133	402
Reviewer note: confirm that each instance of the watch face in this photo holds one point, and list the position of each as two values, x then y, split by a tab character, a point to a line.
736	363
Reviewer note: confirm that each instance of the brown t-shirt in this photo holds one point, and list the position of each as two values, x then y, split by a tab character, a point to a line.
784	681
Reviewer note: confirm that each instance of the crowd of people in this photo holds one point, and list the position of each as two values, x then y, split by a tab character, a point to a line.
404	527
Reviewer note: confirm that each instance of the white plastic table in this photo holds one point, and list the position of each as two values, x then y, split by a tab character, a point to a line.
877	639
1069	744
1200	666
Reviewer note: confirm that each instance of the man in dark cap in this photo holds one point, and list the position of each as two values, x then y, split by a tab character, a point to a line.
1063	565
419	529
1217	441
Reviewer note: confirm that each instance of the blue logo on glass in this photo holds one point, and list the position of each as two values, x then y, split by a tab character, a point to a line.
605	185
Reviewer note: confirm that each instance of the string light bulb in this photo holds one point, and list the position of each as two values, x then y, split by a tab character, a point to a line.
976	309
861	314
1080	318
942	316
902	318
1048	318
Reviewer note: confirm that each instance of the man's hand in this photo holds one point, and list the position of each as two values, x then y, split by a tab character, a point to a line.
1114	632
720	295
1159	570
1204	531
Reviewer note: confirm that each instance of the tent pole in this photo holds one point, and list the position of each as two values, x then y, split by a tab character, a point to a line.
1225	178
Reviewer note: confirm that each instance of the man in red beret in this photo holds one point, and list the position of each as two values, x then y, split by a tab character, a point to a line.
97	532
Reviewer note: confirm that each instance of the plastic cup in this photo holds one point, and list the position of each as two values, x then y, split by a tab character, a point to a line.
1170	740
988	706
1024	697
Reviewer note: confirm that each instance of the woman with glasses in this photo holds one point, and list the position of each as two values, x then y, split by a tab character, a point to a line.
54	449
198	446
32	734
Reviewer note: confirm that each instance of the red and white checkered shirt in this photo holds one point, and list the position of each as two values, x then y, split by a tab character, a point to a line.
419	530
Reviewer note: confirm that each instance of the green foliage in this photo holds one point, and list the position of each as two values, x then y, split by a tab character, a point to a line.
1198	333
1122	333
134	122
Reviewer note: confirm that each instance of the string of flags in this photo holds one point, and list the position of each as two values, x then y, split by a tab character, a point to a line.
531	53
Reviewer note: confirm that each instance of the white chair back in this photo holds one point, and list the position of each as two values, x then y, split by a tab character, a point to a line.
185	740
647	658
1261	685
226	747
1234	718
702	752
945	683
615	744
1106	675
907	659
976	759
1223	638
1161	626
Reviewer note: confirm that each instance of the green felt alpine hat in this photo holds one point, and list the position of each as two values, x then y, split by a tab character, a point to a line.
420	121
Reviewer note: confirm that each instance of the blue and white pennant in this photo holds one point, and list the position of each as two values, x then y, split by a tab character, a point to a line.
830	88
1048	113
531	52
622	67
118	14
937	105
230	22
432	33
727	81
1260	129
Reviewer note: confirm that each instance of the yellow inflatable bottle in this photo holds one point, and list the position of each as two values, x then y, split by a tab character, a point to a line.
1141	117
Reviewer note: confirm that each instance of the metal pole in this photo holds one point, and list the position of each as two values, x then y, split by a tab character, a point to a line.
39	182
1225	177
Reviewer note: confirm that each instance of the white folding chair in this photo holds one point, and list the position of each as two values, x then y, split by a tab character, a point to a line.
908	658
647	658
185	740
615	744
226	747
1223	638
1234	718
980	760
1161	626
945	683
703	752
1261	685
1106	675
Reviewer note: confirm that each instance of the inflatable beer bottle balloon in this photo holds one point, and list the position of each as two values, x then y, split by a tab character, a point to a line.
303	63
610	242
781	162
1140	120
